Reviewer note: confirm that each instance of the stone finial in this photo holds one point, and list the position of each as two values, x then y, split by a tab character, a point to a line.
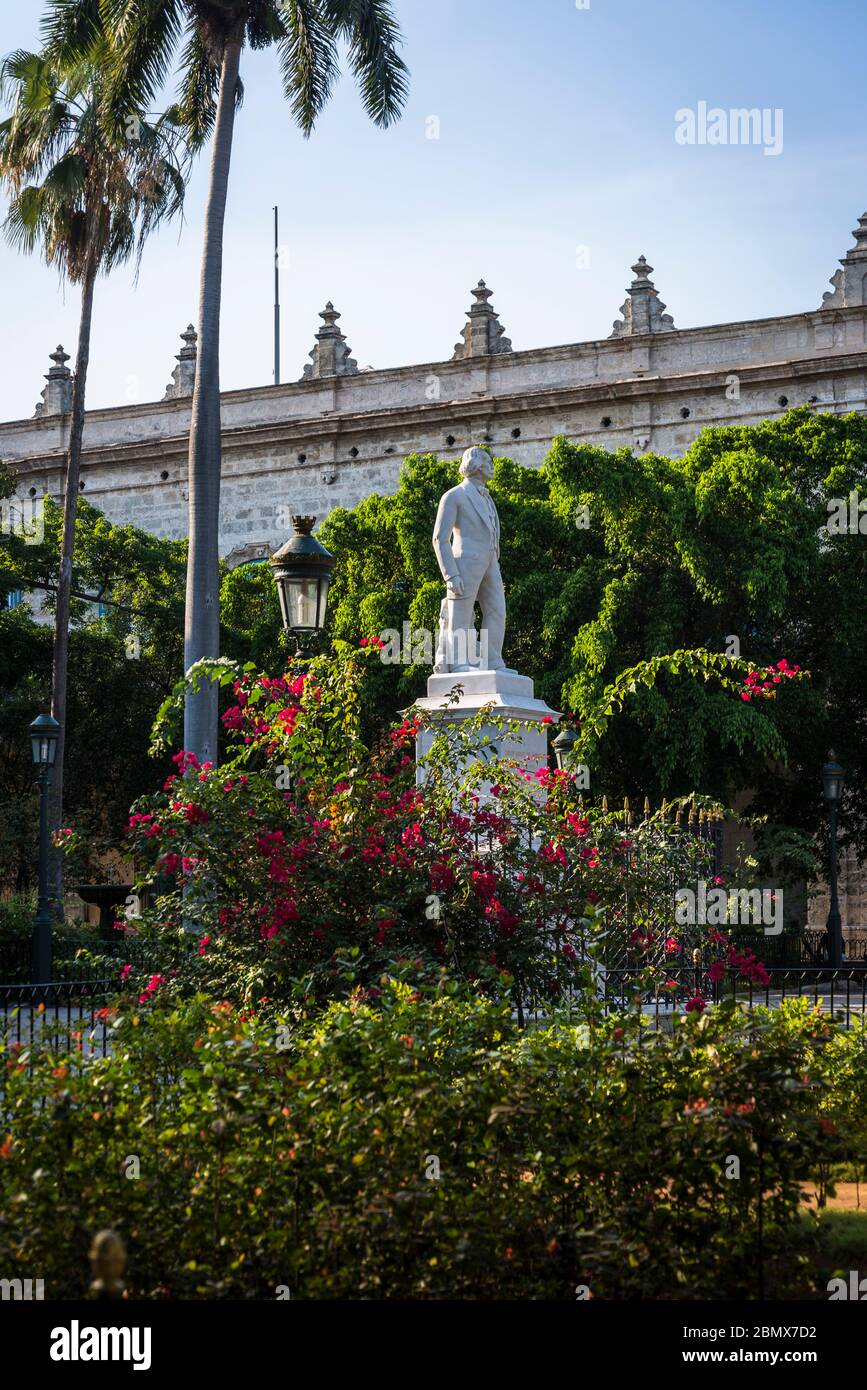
850	282
483	334
184	374
107	1263
330	356
642	312
57	394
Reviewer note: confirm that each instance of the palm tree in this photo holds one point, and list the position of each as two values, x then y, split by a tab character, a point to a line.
87	198
145	39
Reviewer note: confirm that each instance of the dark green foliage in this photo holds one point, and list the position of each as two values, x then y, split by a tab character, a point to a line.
678	554
419	1146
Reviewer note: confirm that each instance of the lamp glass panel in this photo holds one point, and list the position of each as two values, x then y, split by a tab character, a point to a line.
43	749
301	602
323	599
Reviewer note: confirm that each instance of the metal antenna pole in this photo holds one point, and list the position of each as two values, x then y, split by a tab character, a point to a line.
276	304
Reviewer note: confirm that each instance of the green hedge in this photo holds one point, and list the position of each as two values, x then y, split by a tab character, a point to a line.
418	1145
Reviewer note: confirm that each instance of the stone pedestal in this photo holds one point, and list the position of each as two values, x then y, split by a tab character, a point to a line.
510	697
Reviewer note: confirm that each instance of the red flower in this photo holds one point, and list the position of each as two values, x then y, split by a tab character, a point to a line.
151	988
186	761
268	842
553	854
484	885
441	877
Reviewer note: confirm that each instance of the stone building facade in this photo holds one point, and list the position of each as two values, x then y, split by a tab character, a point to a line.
340	433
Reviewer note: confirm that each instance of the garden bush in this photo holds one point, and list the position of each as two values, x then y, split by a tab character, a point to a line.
410	1141
305	844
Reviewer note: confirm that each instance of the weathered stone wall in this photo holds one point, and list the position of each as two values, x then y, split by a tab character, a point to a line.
292	446
339	434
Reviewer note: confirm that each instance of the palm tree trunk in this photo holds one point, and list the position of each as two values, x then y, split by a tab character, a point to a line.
202	623
64	581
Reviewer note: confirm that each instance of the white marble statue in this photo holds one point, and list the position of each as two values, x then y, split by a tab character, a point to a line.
466	541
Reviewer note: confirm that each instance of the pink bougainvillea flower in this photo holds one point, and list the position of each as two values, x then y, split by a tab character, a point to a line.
484	884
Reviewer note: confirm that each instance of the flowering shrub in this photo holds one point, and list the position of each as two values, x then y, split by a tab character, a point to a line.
305	847
419	1145
762	684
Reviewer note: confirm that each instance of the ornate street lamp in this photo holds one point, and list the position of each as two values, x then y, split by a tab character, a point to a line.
302	572
563	746
44	733
832	784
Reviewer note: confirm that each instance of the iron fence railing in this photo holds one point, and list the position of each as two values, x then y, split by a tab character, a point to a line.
840	993
64	1016
75	957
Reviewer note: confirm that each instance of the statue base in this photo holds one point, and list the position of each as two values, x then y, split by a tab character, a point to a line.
509	695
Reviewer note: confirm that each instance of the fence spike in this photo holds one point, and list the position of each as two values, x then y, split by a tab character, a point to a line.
692	815
678	815
647	808
605	805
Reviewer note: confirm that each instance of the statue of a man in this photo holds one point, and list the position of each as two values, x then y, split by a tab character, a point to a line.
466	541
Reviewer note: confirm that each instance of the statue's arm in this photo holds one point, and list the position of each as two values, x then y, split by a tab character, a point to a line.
447	515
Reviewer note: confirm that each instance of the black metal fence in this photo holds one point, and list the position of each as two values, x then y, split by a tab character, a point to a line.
66	1016
841	994
74	957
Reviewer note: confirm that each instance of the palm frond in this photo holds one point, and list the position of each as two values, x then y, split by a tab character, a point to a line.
142	40
70	28
24	219
196	107
371	31
82	190
66	180
308	60
264	23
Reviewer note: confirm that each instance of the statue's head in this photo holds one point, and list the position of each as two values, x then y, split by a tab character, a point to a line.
476	463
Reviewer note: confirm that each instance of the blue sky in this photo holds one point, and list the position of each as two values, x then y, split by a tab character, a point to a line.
556	131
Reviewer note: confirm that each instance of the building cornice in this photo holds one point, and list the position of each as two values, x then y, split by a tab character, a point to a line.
424	417
597	347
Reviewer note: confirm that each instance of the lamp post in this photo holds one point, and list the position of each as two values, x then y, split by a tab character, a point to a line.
302	572
832	784
44	732
563	746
